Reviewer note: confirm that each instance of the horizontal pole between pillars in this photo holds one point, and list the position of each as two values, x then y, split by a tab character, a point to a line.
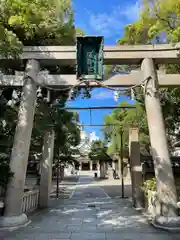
98	108
119	80
99	125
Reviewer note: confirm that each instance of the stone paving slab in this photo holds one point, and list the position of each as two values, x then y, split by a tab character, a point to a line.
95	218
138	236
88	236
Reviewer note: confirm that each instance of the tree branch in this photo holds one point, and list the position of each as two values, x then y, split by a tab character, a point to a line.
165	20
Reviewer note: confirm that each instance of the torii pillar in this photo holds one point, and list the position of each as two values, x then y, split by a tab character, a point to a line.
13	215
166	190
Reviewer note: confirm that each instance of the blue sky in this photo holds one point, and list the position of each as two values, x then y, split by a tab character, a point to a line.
102	18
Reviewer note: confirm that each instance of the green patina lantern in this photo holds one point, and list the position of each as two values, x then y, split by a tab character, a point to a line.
90	57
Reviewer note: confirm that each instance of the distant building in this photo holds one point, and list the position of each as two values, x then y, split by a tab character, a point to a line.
84	148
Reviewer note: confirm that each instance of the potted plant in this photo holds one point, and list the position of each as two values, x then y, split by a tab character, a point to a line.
151	196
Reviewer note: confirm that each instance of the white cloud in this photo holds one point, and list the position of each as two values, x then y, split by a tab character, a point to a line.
103	95
93	137
111	23
131	12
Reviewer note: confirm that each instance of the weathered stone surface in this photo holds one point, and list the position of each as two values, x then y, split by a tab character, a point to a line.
21	145
165	183
13	222
131	54
171	224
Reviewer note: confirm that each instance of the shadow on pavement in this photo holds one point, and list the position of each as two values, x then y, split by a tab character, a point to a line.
96	218
115	191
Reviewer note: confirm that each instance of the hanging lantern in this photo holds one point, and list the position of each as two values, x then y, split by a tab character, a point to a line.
90	57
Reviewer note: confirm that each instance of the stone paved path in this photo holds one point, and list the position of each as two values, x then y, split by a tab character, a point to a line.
89	214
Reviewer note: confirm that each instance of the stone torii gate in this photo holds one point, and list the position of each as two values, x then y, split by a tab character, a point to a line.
146	56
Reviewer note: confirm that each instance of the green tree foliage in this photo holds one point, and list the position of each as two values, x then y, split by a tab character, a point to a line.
67	135
135	33
162	17
98	151
159	23
79	32
120	120
41	22
64	123
8	116
30	23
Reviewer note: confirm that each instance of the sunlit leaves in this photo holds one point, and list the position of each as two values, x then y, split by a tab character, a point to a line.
79	32
39	22
98	151
159	22
121	120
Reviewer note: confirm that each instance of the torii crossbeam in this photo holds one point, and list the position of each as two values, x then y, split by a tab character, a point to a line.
125	80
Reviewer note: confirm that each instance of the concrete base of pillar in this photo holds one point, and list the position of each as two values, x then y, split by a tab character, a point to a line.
14	222
171	224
